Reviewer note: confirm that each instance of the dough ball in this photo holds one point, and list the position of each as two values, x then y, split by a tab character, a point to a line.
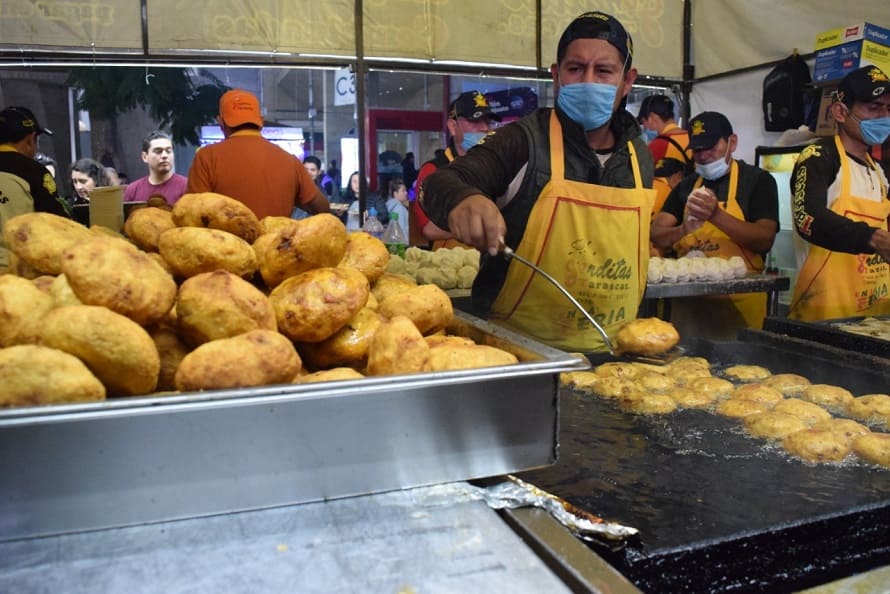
614	387
120	277
686	397
44	282
871	408
737	409
347	347
367	254
398	347
62	293
273	224
686	373
808	412
583	381
329	375
193	250
873	447
116	349
255	358
773	425
758	393
846	428
22	307
827	396
647	336
747	373
647	404
388	284
428	306
654	382
789	384
172	350
219	304
315	242
145	225
39	239
215	211
717	387
35	375
617	369
314	305
814	445
446	357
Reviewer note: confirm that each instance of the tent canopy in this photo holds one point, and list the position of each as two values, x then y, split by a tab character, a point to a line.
724	35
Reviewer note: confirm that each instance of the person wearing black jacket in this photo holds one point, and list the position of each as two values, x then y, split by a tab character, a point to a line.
565	187
25	185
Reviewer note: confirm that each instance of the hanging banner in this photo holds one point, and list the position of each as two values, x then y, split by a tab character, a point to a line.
344	87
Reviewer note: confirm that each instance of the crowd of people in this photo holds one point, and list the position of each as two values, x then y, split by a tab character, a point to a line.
584	188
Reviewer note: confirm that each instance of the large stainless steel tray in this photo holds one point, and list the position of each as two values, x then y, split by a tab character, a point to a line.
130	461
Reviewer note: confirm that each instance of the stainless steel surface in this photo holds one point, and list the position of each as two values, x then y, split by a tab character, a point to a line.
770	284
403	541
130	461
509	253
572	560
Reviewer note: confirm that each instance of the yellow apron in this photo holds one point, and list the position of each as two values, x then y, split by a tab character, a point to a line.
838	285
723	314
595	241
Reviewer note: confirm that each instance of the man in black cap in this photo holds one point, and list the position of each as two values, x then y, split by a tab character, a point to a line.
728	209
840	208
567	188
25	184
469	119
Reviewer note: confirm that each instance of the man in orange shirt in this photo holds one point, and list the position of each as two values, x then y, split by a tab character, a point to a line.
249	168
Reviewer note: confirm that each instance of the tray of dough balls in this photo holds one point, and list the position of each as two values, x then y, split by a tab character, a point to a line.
766	448
695	275
862	334
204	360
451	269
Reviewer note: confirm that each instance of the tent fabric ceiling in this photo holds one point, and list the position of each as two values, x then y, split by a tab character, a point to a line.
727	35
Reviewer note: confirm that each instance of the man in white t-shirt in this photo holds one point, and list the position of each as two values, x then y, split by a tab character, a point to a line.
157	153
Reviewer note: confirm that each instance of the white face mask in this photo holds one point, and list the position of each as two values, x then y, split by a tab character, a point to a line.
715	169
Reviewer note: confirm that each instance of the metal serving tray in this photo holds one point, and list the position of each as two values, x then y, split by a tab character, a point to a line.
827	332
129	461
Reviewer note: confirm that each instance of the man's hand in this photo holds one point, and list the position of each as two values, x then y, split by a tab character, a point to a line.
477	221
701	204
880	241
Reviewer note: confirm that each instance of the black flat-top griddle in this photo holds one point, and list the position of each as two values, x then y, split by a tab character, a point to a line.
718	511
826	332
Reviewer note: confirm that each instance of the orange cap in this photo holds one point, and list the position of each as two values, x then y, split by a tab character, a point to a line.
238	107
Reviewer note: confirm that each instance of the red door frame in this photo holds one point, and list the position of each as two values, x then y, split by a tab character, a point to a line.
396	119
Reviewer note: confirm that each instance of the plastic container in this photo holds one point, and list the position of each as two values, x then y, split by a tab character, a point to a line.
394	237
353	217
373	226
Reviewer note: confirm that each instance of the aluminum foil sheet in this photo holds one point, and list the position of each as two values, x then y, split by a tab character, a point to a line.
514	493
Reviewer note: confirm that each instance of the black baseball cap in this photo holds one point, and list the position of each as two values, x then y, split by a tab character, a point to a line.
473	106
668	166
707	128
865	84
597	25
660	105
18	122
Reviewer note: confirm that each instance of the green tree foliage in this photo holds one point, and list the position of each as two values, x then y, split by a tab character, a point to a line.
179	99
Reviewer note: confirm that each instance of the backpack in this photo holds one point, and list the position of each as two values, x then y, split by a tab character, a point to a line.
688	163
787	95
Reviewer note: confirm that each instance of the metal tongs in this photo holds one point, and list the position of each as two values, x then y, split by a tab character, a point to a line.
509	253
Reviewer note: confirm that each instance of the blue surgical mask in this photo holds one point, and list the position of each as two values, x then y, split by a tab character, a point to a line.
875	132
471	139
715	169
588	104
649	135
